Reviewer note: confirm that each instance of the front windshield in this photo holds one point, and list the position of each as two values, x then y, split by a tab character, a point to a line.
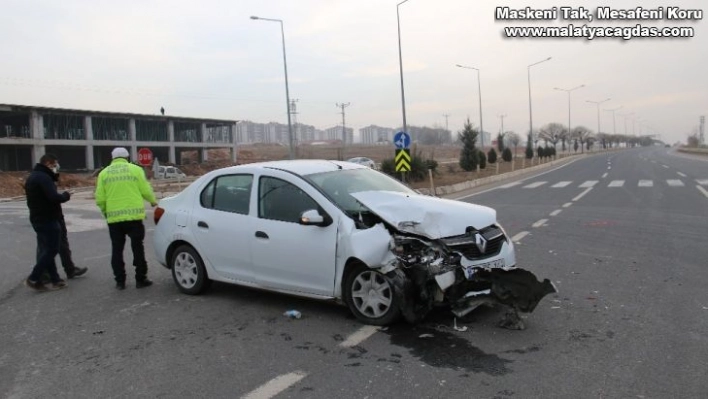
340	184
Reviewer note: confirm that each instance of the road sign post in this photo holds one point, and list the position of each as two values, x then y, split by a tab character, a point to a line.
402	160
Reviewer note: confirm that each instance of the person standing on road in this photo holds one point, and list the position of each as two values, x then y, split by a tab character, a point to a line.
121	189
67	262
44	203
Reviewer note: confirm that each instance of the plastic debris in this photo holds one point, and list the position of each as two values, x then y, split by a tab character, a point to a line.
293	314
426	336
461	329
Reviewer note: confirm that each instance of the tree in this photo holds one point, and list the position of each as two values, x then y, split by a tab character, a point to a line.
513	139
482	159
469	157
575	147
507	155
540	152
693	140
492	155
500	142
552	133
581	134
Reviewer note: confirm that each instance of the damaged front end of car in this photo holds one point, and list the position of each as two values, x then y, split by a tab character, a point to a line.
463	272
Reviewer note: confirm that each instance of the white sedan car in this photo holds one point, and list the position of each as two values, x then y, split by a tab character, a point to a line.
335	230
363	161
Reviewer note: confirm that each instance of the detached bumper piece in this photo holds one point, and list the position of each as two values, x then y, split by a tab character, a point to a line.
518	289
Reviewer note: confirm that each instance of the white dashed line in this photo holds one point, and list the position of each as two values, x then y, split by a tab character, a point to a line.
681	174
534	185
646	183
588	183
556	212
702	182
567	204
561	184
604	176
519	236
509	185
675	183
616	183
359	336
703	190
582	194
276	386
666	167
539	223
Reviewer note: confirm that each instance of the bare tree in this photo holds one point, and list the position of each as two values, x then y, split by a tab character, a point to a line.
582	134
513	139
553	132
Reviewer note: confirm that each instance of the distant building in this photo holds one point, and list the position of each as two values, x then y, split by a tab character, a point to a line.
373	134
84	139
335	133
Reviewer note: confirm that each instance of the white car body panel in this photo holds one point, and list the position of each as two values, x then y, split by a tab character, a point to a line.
428	216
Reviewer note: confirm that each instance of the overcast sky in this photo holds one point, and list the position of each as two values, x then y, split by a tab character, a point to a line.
208	59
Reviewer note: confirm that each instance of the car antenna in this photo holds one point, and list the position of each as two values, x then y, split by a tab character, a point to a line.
338	165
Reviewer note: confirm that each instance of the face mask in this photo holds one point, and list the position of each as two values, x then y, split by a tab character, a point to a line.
55	169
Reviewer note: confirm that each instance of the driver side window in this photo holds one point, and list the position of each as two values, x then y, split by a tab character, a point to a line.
280	200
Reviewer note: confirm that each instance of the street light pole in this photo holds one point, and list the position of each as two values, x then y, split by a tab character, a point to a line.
400	65
598	110
530	111
614	120
568	91
479	90
287	90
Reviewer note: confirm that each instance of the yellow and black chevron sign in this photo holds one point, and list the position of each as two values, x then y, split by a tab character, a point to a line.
403	160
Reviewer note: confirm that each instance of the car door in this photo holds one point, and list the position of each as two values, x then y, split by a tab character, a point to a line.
286	254
222	225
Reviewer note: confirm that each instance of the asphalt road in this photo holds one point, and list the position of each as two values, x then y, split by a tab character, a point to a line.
630	262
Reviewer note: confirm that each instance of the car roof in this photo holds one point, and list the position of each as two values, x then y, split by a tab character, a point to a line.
300	167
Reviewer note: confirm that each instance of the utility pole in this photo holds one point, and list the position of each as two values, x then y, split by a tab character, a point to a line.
446	125
293	111
502	123
344	126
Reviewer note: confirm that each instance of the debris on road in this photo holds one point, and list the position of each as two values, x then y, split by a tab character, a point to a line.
461	329
293	314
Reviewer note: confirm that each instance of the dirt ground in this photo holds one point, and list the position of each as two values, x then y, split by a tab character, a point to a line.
449	172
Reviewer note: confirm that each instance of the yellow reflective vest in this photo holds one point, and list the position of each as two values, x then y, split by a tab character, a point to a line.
120	190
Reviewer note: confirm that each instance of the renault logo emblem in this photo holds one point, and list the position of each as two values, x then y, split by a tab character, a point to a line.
481	242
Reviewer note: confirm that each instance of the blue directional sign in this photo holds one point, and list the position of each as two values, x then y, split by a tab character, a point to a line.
402	140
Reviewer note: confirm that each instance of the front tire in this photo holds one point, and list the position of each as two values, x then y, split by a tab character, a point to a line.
370	296
188	271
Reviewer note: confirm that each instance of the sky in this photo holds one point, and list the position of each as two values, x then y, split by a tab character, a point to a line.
209	59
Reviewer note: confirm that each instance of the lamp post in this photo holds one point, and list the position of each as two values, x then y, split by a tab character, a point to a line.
614	120
287	90
530	111
568	91
598	110
400	65
479	90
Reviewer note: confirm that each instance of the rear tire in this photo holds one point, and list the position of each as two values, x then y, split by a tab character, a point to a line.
188	271
371	296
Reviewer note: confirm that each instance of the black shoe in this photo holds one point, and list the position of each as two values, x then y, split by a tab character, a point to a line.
76	272
36	285
143	283
44	279
59	285
120	285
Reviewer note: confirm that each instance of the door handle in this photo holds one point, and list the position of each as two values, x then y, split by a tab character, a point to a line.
202	224
261	234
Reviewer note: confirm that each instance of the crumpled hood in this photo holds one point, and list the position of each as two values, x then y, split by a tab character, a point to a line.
430	216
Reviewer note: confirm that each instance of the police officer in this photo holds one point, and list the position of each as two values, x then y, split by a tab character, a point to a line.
121	189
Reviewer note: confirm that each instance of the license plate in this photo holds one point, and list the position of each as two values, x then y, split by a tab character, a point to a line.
495	264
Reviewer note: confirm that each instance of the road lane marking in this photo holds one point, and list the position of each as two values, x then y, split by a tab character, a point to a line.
540	223
276	385
359	336
97	257
519	236
536	184
609	167
509	185
646	183
582	194
681	174
588	184
605	175
561	184
703	190
616	183
556	212
675	183
666	167
702	182
567	204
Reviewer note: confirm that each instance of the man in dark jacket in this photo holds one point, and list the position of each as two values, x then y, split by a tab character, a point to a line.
67	262
44	203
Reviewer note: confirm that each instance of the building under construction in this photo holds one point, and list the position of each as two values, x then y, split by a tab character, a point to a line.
83	140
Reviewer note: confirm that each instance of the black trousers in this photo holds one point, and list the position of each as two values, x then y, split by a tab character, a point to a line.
64	250
135	230
48	237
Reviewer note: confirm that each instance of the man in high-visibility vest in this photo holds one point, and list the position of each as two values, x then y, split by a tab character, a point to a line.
121	189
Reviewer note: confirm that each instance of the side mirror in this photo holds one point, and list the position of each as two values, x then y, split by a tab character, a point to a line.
313	218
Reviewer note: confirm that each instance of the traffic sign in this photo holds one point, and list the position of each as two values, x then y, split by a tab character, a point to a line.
145	157
402	140
403	160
